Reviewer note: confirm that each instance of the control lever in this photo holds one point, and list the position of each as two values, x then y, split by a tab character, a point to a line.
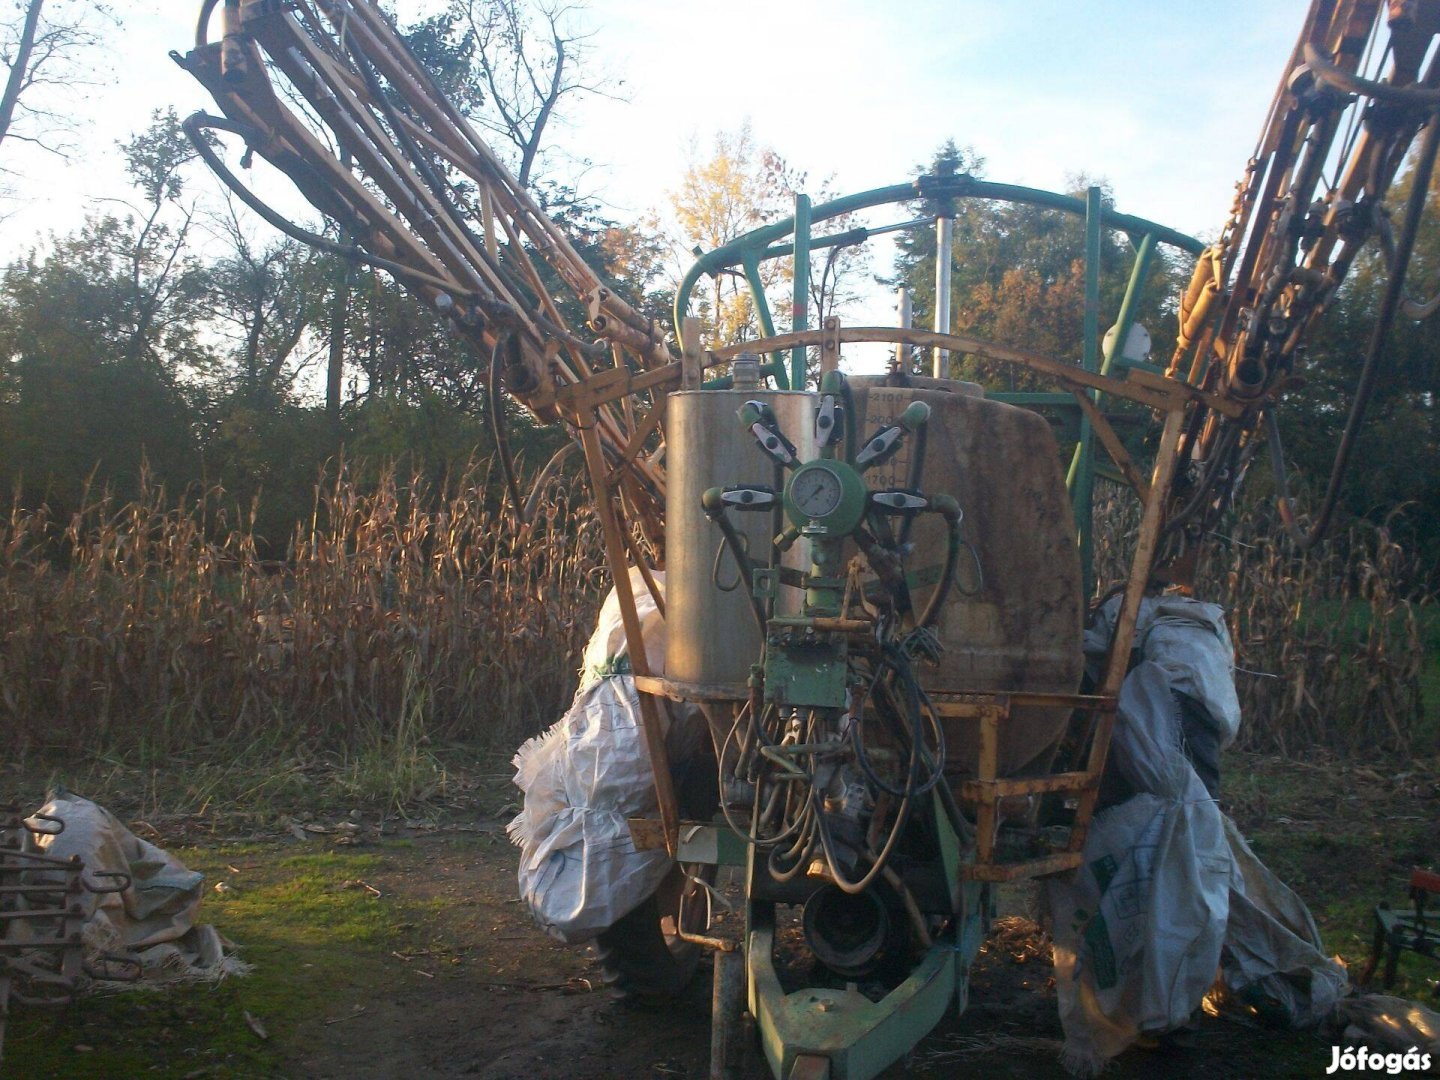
886	442
748	498
829	421
897	502
758	417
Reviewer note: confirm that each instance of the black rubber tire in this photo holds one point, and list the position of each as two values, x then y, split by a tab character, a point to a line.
642	960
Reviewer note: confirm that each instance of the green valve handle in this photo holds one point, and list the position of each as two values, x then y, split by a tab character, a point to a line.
915	416
751	413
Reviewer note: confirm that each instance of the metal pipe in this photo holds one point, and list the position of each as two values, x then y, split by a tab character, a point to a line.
763	315
962	186
800	306
1081	477
944	245
907	316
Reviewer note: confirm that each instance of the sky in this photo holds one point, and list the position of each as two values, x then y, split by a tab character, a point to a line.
1162	100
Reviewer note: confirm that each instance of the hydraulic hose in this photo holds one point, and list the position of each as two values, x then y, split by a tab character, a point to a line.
1394	294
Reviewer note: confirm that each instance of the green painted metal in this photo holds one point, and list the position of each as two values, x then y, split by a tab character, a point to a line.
963	185
861	1038
800	307
751	266
713	845
849	508
801	670
1081	477
1115	353
1031	400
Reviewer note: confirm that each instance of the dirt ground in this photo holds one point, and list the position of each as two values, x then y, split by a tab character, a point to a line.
505	1003
423	963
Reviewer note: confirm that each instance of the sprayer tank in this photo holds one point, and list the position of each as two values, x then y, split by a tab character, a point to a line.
711	635
1013	621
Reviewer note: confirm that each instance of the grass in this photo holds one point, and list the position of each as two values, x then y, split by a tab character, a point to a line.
308	930
1345	837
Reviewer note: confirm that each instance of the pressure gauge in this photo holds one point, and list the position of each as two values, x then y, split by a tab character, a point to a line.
826	495
816	492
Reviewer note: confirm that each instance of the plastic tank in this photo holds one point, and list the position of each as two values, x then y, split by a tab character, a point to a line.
711	638
1022	629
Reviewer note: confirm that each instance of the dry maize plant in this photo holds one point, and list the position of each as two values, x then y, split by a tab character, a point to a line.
154	627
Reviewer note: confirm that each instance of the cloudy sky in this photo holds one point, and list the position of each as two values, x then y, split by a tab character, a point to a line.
1164	100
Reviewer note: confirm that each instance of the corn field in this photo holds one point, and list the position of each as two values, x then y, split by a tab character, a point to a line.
404	615
1330	651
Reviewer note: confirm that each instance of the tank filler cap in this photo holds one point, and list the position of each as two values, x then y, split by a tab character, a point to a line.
745	372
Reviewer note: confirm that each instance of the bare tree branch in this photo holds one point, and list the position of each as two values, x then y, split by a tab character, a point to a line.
525	82
41	50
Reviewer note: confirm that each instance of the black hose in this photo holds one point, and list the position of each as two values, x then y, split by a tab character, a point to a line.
202	27
852	431
194	124
1327	73
1394	294
742	560
947	576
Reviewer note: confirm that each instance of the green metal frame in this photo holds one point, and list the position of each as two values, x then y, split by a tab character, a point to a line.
842	1034
858	1037
770	242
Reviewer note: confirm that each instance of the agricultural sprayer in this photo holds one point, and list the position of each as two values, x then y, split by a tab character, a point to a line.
874	587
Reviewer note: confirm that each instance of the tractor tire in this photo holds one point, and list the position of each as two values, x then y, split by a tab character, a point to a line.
643	960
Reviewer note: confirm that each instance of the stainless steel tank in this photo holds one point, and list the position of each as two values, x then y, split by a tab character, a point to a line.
710	635
1021	629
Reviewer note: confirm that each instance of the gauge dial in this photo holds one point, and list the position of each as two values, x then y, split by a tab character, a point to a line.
816	492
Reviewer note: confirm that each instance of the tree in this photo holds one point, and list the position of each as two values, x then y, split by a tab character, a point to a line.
166	281
1018	273
266	299
742	187
40	45
509	67
79	400
1397	454
720	199
102	338
529	58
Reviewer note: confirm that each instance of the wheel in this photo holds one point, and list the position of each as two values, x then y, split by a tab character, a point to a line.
643	959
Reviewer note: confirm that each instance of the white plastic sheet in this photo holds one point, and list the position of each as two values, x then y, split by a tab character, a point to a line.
1190	641
1169	893
152	921
1272	959
1139	929
579	868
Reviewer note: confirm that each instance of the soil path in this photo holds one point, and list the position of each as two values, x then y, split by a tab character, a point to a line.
492	997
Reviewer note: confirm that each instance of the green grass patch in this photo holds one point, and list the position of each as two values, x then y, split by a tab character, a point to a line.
1345	838
303	922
